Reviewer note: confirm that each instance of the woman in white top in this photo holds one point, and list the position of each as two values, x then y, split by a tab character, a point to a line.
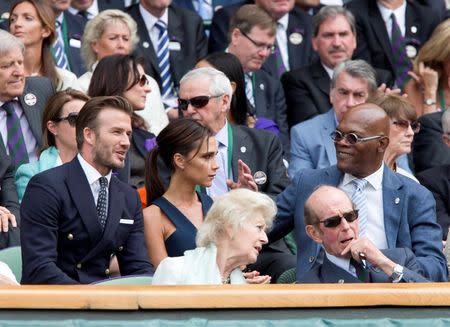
230	238
404	125
115	32
33	22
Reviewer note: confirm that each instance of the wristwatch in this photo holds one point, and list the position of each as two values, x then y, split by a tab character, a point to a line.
397	274
429	102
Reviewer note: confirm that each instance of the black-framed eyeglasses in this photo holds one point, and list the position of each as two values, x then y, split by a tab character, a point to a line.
262	46
71	119
334	221
197	102
352	138
143	80
404	124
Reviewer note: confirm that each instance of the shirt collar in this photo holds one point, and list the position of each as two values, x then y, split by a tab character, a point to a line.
222	135
284	21
328	70
375	179
342	263
92	11
60	18
91	173
151	20
386	12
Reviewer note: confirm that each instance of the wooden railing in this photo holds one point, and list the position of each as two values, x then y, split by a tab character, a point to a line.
89	297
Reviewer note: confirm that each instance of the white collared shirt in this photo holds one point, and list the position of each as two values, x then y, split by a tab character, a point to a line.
329	70
91	12
375	230
282	25
93	176
342	263
150	22
31	143
400	16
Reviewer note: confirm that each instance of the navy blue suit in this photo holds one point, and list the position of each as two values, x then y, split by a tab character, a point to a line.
328	272
64	242
72	42
409	218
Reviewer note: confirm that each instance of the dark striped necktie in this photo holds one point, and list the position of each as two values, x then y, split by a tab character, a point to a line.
402	64
16	141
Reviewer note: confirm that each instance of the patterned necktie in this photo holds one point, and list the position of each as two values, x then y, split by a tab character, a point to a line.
281	68
361	272
205	10
219	185
102	210
16	141
163	60
360	200
58	49
249	89
402	64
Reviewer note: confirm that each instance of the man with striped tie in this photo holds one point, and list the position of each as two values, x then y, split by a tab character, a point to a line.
394	211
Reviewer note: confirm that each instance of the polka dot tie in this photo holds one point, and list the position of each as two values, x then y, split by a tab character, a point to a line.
102	211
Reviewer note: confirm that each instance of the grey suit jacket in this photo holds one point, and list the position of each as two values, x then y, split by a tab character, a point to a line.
409	218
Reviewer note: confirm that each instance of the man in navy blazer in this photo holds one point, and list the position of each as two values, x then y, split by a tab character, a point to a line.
401	213
76	216
332	222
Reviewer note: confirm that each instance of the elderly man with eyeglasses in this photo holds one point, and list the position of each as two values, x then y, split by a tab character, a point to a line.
331	220
394	211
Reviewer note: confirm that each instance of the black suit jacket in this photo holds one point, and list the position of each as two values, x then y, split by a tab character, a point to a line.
437	180
184	27
72	42
373	44
428	150
64	242
307	91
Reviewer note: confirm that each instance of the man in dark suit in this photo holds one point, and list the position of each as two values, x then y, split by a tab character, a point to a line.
255	156
399	213
91	8
252	38
27	96
437	178
332	222
69	29
293	37
374	29
186	38
76	216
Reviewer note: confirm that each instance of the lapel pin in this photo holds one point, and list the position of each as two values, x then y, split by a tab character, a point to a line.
30	99
341	281
243	149
411	51
413	29
261	86
260	177
397	200
145	44
296	38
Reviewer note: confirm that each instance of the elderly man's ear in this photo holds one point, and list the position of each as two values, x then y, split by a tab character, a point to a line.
313	233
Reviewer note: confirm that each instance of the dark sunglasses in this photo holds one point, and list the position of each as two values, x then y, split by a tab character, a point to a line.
404	124
196	102
336	220
71	119
352	138
143	80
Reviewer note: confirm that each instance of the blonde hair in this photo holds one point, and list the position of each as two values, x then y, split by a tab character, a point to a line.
233	210
96	27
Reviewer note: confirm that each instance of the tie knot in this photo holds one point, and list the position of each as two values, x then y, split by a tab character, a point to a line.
359	183
160	25
103	182
8	107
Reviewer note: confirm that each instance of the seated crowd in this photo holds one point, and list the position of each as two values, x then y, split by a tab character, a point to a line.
240	142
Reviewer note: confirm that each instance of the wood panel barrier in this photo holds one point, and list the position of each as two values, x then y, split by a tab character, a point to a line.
126	297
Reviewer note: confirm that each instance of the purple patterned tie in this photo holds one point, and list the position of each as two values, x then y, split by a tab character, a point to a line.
16	141
402	64
281	69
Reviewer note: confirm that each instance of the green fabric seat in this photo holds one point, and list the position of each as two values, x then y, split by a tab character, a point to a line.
13	258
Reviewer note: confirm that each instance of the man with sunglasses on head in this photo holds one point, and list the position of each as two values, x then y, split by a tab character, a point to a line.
394	211
331	220
246	157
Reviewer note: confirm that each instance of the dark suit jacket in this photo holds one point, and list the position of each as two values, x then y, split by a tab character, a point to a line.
111	4
328	272
428	150
299	22
64	243
9	200
216	4
270	103
75	28
408	210
437	180
184	27
307	91
373	44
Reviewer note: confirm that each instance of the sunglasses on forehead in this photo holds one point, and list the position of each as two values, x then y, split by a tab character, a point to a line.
71	119
197	102
336	220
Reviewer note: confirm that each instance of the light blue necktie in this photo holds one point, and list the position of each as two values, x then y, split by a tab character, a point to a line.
219	185
360	200
249	89
58	49
163	60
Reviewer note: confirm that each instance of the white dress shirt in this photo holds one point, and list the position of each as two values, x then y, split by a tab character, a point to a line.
150	22
91	12
400	14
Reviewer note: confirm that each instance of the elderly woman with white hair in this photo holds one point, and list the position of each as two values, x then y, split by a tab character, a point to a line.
231	237
115	32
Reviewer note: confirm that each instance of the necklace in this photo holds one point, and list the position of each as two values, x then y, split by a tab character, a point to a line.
226	280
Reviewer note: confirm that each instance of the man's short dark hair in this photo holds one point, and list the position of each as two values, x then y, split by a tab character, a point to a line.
249	16
87	116
332	12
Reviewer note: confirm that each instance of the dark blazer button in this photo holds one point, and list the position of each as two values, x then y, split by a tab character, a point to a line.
311	259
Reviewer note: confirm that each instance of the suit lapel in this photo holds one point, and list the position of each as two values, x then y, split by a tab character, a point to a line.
32	113
241	150
412	20
379	27
393	199
320	77
328	127
260	95
330	273
176	34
